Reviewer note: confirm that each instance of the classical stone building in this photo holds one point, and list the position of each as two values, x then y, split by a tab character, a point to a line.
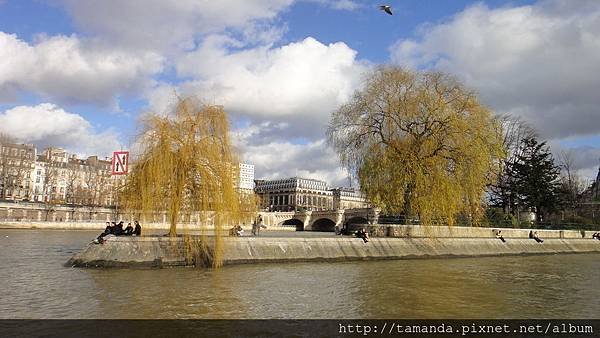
77	181
17	164
305	194
293	194
348	198
246	177
55	177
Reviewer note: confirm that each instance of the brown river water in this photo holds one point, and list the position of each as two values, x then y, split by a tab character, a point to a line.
35	284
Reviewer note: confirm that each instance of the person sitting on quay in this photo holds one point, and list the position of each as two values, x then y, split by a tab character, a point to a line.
138	229
107	231
534	235
362	234
108	228
128	230
499	236
236	231
118	229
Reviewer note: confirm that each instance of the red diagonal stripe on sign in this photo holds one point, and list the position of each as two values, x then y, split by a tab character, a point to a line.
120	162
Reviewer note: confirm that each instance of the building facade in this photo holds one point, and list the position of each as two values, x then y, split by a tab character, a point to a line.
348	198
246	178
305	194
55	177
293	194
17	169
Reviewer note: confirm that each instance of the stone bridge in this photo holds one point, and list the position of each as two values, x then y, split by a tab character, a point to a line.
326	220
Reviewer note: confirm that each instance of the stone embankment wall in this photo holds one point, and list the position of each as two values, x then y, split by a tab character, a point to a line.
164	251
418	231
24	212
100	226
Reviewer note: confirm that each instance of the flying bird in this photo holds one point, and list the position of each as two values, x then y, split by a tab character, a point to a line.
386	8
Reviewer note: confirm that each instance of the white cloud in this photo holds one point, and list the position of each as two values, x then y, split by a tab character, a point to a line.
48	125
222	50
285	94
162	98
164	24
279	157
68	69
283	159
304	80
538	61
179	24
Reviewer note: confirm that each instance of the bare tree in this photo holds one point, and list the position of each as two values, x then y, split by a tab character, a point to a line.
514	131
71	185
571	183
49	189
96	190
72	189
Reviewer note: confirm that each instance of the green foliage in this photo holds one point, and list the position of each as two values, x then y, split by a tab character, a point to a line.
535	178
497	217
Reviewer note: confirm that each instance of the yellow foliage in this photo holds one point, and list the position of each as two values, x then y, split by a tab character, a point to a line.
187	168
420	144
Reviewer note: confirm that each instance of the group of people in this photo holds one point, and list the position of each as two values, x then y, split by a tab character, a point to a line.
596	235
534	235
257	225
237	230
116	229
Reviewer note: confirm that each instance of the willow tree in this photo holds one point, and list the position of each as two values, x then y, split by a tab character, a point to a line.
186	166
420	144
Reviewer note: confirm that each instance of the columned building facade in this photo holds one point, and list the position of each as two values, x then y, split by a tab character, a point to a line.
305	194
294	194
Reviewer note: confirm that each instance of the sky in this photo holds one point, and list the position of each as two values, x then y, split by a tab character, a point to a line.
79	73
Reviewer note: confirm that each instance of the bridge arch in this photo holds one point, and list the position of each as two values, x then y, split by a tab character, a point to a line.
294	222
323	224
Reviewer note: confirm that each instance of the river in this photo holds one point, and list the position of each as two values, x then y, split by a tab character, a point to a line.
35	284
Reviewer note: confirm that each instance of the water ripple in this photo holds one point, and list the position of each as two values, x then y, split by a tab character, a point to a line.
36	285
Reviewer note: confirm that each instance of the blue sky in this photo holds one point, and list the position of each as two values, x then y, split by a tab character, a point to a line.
79	73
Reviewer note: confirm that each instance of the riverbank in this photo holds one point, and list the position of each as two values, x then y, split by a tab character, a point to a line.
166	252
100	226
